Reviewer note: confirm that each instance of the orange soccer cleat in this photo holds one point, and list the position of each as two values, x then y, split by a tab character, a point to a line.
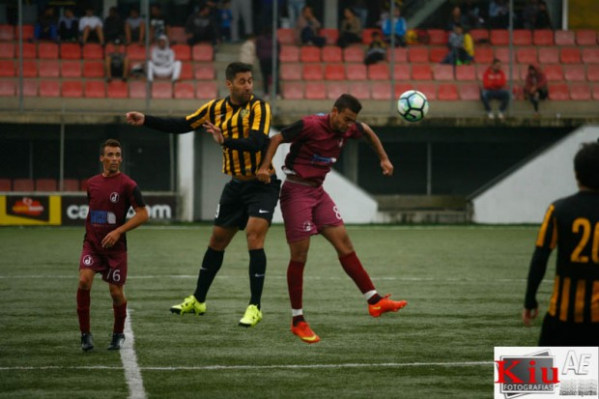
385	305
305	333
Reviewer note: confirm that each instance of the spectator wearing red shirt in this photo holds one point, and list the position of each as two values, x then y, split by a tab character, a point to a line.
494	82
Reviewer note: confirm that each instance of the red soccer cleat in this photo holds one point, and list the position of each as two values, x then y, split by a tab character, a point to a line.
305	333
385	305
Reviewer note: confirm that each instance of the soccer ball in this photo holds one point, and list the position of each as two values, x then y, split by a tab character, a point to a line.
412	105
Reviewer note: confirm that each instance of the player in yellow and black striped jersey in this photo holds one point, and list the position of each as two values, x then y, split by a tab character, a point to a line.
240	123
572	225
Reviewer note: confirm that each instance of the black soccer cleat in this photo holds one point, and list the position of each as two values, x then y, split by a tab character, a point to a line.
87	342
117	342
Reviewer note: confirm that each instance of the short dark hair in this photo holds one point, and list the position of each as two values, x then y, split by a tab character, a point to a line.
348	101
109	143
237	67
586	165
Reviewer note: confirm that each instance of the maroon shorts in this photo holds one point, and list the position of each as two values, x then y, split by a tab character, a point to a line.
113	266
307	210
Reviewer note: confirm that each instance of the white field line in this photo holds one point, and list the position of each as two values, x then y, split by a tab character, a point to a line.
256	367
130	366
349	227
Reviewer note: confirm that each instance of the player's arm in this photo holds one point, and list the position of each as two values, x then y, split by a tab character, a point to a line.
141	216
167	125
286	135
538	265
377	146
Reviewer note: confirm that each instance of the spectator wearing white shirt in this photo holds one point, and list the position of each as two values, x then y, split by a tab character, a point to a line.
90	27
162	61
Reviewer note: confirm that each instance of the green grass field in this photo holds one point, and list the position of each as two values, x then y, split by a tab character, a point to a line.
465	288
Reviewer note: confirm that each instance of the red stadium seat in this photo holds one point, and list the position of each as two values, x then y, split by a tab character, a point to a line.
46	185
355	72
401	88
110	48
484	55
5	184
428	89
312	72
422	72
70	51
49	69
542	37
135	52
293	90
595	92
332	54
480	71
70	185
23	185
500	37
503	54
310	54
162	90
559	92
564	38
523	72
95	89
526	55
437	54
447	92
177	35
437	37
367	35
184	90
469	91
7	50
574	73
72	89
49	88
204	71
7	68
316	91
335	90
137	90
46	50
522	37
117	89
186	71
418	54
7	33
289	54
381	91
292	71
400	54
353	54
29	88
480	35
202	52
334	72
554	73
590	55
518	92
70	69
286	36
27	32
570	55
580	92
586	37
29	51
30	69
378	72
548	55
93	51
7	88
402	71
593	73
206	90
443	72
182	52
331	35
465	72
360	90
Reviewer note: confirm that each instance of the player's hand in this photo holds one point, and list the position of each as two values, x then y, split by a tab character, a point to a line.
387	167
263	175
111	239
528	315
135	118
216	133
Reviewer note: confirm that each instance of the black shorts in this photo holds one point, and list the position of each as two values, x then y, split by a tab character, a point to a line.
242	199
558	333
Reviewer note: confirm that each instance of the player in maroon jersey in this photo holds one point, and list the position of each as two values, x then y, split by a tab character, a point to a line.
316	143
110	195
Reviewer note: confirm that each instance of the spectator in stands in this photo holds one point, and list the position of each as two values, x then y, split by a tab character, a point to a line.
360	9
116	62
397	27
499	14
158	24
225	17
461	47
135	27
535	88
247	51
162	62
294	10
46	26
457	18
543	20
241	10
350	30
265	53
114	26
307	28
90	27
471	10
199	28
377	49
529	14
494	82
68	26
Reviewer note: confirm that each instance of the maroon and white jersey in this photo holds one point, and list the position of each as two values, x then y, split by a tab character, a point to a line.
315	146
109	201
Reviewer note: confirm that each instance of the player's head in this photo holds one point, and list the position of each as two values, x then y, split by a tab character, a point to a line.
345	112
586	166
240	82
111	156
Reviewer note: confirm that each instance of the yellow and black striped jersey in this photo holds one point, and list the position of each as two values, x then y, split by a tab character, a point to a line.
572	225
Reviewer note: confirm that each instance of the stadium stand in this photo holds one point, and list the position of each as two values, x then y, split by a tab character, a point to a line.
70	185
177	35
182	52
315	91
95	89
312	72
580	91
447	92
29	69
5	184
570	55
7	50
593	73
418	54
286	35
331	35
289	54
70	69
29	88
70	51
49	68
23	185
137	90
360	90
559	91
202	52
402	71
542	37
292	90
47	51
586	37
163	90
294	71
46	185
184	90
548	55
7	68
565	37
72	88
28	51
437	37
332	54
355	72
381	91
93	51
526	55
117	89
400	54
353	54
378	72
422	72
334	72
574	73
443	72
7	88
93	69
27	32
590	55
437	54
7	33
204	72
49	88
206	90
335	90
309	54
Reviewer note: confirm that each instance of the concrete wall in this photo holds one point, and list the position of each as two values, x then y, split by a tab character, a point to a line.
524	195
